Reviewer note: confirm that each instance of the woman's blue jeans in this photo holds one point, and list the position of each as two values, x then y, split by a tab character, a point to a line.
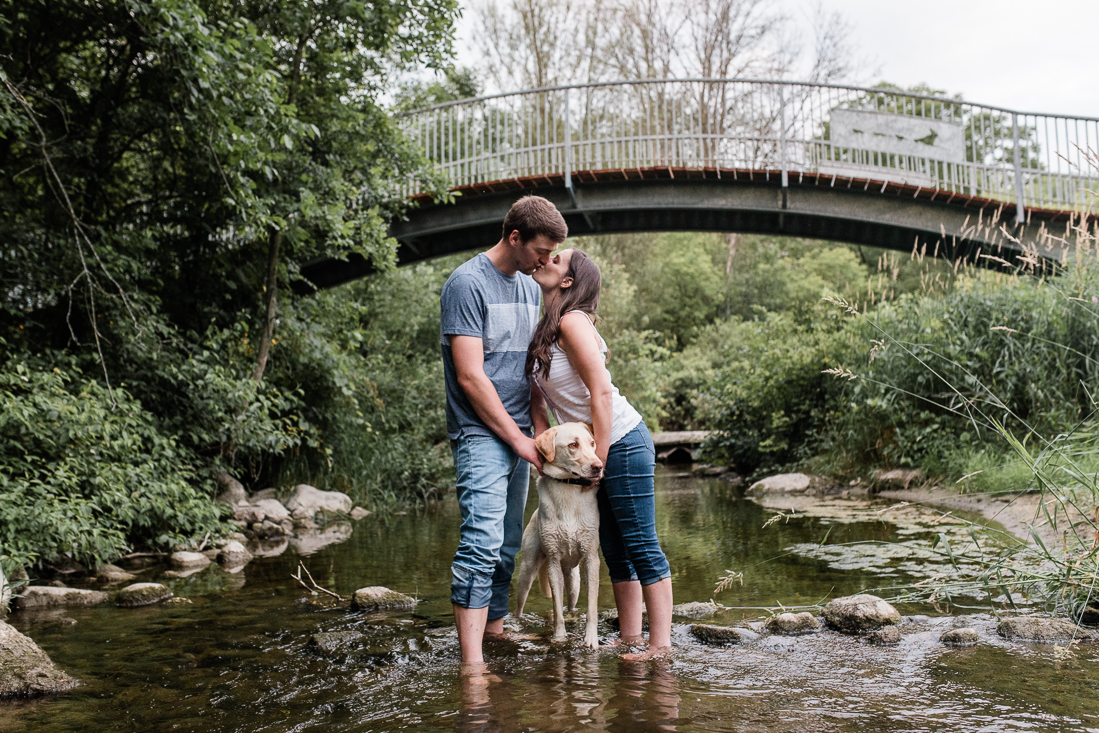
627	511
492	492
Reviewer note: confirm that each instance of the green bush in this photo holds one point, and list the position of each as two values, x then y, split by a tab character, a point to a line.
83	477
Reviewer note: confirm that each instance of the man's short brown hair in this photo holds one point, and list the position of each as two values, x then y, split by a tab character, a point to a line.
534	215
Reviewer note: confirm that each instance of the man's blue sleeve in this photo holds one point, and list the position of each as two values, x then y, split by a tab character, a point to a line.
463	308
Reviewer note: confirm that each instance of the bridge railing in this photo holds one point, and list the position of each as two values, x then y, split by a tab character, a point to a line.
732	127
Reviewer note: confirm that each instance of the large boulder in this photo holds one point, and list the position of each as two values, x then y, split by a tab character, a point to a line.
793	624
306	501
859	614
142	594
378	598
232	492
47	596
1041	630
25	670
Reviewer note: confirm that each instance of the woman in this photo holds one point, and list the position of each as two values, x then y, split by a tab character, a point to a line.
567	366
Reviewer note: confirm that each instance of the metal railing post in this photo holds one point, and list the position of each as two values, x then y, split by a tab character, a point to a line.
1020	210
782	136
568	145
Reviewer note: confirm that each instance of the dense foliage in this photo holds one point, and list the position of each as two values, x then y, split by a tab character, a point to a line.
167	165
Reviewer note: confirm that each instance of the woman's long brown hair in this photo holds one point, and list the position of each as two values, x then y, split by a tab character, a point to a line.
582	295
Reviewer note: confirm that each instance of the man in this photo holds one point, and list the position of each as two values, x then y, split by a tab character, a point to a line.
489	311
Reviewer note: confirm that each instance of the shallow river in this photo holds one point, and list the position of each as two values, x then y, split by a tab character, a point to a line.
238	657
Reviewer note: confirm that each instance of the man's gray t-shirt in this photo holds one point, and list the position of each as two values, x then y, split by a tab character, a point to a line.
501	310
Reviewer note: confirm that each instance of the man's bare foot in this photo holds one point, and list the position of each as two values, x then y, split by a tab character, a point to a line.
660	652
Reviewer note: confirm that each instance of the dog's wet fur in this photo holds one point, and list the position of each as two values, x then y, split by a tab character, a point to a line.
562	537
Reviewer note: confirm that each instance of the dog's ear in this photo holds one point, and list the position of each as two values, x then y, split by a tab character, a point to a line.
545	444
590	428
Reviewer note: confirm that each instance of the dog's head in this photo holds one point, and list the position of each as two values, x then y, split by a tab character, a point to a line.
569	452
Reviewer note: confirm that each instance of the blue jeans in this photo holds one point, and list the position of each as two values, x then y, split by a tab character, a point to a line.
627	511
492	492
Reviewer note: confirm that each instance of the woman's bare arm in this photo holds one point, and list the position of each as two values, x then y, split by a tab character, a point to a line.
580	343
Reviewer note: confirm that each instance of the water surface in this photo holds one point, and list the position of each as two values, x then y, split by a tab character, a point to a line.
238	657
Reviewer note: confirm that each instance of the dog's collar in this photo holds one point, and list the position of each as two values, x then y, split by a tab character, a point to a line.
576	481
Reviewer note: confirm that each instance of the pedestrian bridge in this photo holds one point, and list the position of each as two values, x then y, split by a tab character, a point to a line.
867	166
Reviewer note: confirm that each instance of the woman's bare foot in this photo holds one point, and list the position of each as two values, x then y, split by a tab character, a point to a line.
659	652
633	642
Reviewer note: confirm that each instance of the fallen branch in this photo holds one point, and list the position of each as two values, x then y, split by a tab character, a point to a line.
313	583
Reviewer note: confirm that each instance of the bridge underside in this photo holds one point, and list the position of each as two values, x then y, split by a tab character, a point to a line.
855	211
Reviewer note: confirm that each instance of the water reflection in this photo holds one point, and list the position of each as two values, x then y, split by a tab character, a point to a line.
646	697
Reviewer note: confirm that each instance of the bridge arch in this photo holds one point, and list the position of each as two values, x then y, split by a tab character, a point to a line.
861	165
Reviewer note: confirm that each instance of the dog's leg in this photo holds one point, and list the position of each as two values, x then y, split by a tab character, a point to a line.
572	587
557	591
591	572
533	558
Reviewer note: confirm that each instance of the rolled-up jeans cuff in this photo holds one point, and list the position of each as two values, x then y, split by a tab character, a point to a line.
470	589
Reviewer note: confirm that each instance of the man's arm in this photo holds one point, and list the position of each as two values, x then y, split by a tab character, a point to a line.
469	363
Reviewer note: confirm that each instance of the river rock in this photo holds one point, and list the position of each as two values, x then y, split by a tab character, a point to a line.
305	501
859	613
359	513
26	670
1041	630
234	555
336	642
793	624
694	609
264	495
108	573
46	596
378	598
783	483
189	560
273	510
232	492
249	514
142	594
886	635
960	637
715	635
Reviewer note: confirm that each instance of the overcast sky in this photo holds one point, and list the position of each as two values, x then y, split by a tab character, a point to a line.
1027	55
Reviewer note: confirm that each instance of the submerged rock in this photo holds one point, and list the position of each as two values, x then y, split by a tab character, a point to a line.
695	609
960	637
234	555
716	635
336	642
189	560
305	501
142	594
26	670
885	635
793	624
46	596
1041	630
379	598
859	614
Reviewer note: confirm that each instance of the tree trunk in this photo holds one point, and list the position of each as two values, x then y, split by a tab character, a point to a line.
271	288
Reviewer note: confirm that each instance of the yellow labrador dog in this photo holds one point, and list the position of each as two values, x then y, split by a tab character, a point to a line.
563	533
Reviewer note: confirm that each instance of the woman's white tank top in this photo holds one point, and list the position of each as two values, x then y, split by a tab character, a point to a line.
569	399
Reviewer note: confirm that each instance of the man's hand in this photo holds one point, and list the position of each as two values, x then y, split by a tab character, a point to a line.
526	449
